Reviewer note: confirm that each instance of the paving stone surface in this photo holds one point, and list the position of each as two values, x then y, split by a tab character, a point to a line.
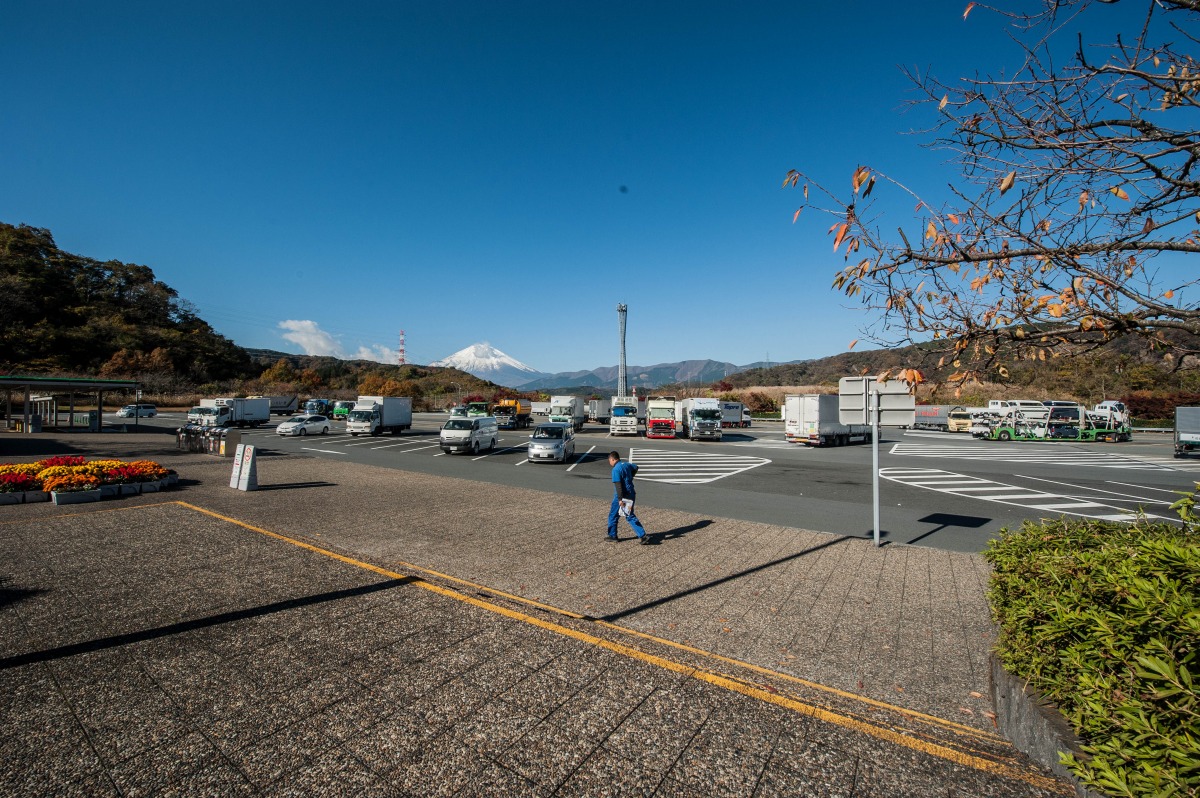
379	636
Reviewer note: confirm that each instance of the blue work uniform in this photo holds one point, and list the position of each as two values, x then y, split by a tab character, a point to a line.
622	477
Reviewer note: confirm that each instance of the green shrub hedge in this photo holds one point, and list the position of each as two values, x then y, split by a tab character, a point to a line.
1104	619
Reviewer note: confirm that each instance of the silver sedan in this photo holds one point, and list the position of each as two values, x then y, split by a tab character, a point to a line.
304	425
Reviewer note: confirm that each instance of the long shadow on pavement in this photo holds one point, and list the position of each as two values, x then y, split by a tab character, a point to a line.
199	623
714	583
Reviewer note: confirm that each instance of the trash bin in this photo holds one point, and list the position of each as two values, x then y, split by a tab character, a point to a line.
230	442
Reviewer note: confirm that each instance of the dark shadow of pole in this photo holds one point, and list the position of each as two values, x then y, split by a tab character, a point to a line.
946	520
714	583
199	623
291	485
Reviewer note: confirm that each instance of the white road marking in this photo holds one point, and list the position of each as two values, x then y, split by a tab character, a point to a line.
690	468
982	489
1145	487
1049	453
323	451
581	457
1096	490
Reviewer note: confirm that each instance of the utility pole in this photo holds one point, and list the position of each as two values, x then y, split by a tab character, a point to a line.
622	382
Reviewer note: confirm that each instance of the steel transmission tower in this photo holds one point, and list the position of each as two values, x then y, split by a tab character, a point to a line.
622	382
403	356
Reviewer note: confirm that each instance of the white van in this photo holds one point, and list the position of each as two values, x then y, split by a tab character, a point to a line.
469	434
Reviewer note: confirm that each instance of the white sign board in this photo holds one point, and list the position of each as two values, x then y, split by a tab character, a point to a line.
245	468
897	407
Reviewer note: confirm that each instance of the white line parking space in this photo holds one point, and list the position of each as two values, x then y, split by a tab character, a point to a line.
683	468
1044	453
988	490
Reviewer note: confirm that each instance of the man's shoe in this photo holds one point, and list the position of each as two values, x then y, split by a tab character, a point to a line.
611	538
644	539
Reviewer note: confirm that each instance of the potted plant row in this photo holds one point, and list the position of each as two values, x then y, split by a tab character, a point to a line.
72	479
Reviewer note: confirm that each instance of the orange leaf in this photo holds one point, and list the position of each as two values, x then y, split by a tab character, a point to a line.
852	343
943	103
1119	192
953	218
797	216
1008	181
931	231
837	241
968	11
1168	294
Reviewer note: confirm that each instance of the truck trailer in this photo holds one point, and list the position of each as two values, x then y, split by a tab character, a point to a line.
1187	430
281	405
734	414
813	419
599	411
935	417
702	419
375	415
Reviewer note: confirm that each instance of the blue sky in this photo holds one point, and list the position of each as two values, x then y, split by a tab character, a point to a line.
476	171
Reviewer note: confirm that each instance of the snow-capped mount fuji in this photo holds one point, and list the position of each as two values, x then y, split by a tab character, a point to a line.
488	363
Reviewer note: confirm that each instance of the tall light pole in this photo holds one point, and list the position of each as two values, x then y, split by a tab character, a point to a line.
622	382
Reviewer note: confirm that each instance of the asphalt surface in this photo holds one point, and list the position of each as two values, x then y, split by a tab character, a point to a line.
944	490
356	630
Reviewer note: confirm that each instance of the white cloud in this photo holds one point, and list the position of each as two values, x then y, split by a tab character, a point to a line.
309	336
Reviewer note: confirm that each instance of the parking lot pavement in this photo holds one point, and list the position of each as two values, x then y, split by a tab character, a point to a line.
354	630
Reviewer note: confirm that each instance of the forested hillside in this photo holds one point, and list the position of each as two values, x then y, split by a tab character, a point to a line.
69	314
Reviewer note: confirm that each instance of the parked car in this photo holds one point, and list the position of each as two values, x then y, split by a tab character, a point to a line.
304	425
555	441
138	411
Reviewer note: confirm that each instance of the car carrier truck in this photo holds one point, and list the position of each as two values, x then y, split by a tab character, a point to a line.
375	415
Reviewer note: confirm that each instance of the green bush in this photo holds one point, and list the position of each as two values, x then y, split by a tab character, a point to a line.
1104	619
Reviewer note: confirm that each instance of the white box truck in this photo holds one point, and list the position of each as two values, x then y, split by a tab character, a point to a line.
235	412
568	410
375	415
812	419
540	408
702	419
1187	430
623	420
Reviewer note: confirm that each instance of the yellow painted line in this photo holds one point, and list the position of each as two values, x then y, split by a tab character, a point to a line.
956	756
933	720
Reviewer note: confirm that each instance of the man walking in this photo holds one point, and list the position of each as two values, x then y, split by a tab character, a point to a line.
623	498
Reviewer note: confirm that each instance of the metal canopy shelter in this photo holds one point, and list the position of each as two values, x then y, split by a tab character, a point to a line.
48	388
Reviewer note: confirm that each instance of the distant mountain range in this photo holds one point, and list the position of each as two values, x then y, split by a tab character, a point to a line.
488	363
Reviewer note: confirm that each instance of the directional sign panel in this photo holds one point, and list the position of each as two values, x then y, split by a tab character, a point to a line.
897	406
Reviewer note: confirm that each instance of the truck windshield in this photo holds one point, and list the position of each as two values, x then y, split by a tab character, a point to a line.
359	415
662	412
708	415
560	411
204	411
623	411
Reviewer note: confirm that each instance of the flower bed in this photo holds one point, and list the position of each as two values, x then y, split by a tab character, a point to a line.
76	474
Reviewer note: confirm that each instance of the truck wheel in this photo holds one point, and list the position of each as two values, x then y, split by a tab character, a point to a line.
1005	435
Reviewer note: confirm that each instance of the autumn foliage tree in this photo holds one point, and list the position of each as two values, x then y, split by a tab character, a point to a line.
1074	218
